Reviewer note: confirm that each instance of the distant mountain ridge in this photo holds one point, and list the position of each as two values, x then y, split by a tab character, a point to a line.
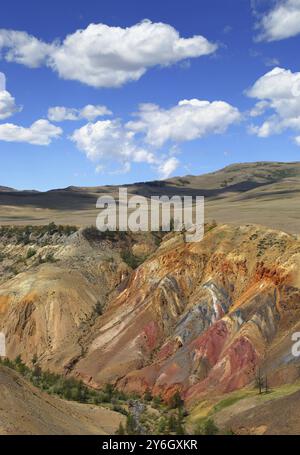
263	192
260	172
7	189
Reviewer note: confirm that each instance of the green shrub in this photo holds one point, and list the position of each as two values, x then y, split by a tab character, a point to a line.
99	308
162	425
172	423
157	401
67	388
130	259
148	395
66	229
48	258
92	234
120	409
207	428
120	431
30	253
176	401
130	424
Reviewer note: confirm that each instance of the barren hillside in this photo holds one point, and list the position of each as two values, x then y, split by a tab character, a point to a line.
199	318
265	193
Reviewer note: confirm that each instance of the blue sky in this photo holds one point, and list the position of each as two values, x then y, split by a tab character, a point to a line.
244	57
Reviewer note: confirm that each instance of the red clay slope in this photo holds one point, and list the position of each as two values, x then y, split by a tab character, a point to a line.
201	317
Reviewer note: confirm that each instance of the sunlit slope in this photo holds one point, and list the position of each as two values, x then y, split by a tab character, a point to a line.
266	193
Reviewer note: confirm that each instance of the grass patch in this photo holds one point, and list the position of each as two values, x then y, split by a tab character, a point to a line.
208	409
232	399
280	392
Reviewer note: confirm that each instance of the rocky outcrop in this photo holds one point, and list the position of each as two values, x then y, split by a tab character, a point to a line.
48	307
200	318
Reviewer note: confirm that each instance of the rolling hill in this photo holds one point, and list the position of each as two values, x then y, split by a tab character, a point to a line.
265	193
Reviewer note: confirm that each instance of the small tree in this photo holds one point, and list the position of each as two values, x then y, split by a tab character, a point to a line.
157	400
18	360
259	381
147	395
37	372
99	308
179	428
120	431
208	428
162	426
172	423
130	424
176	401
267	389
172	225
51	228
30	253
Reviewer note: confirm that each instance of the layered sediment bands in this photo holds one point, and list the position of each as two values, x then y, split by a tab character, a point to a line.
200	317
45	313
48	308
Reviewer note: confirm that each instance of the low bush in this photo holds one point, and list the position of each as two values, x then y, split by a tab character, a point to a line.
30	253
130	259
207	428
67	388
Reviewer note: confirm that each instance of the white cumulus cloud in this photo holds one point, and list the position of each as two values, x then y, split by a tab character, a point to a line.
89	112
141	140
104	56
297	140
8	105
281	22
2	82
259	108
109	140
188	120
279	91
40	132
24	49
167	167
